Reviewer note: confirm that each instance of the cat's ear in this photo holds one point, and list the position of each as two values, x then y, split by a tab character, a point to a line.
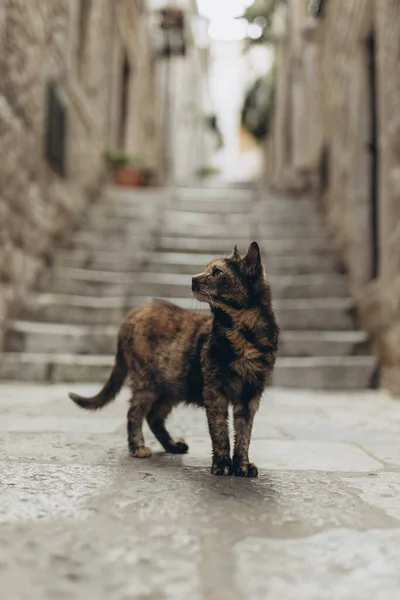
235	254
252	260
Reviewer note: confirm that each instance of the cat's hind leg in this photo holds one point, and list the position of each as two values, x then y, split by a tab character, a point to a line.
140	405
156	420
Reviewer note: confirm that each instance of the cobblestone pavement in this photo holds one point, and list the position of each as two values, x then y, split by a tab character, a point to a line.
80	519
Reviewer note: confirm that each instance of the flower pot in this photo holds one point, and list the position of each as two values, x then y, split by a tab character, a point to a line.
127	176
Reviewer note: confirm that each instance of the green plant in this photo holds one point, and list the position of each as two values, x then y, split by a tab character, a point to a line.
208	170
260	8
258	106
119	158
261	12
137	161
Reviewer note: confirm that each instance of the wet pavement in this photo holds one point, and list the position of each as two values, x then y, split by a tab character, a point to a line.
81	519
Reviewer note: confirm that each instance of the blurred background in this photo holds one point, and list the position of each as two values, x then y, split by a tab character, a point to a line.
148	136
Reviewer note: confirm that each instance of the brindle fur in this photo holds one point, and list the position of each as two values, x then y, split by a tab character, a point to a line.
175	356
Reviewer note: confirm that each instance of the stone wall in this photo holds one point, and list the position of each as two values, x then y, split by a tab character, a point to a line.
380	301
294	139
346	109
42	40
338	40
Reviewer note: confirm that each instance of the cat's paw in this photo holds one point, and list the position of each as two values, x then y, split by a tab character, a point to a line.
245	470
140	452
221	467
179	447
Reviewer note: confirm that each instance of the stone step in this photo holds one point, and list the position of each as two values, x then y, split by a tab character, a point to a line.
67	308
197	219
87	282
112	226
54	368
103	260
131	204
119	196
348	373
180	263
309	314
200	213
306	204
26	336
216	206
243	232
129	241
223	247
213	194
119	214
323	343
31	337
296	264
325	373
254	213
324	314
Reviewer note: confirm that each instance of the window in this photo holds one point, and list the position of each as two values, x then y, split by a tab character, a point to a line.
56	124
83	32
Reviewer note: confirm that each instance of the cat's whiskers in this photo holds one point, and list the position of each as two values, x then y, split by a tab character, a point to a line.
207	293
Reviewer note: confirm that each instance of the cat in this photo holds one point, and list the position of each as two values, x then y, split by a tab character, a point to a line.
175	356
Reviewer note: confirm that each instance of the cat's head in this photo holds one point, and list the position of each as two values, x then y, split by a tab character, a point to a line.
235	282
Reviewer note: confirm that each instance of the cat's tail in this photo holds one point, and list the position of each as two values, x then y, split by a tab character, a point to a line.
110	389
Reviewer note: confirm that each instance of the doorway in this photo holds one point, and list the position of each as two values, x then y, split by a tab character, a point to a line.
125	85
374	158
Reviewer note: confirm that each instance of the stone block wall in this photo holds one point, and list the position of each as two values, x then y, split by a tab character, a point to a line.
42	40
338	41
346	121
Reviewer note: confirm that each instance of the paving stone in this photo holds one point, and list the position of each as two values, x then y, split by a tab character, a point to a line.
380	491
345	564
296	455
387	449
64	425
79	516
45	492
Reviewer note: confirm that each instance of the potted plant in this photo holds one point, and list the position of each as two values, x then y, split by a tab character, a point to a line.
126	168
208	171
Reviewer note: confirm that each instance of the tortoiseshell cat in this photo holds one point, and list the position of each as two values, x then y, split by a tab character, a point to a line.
175	356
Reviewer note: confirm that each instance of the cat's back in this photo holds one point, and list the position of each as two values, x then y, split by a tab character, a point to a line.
161	313
159	324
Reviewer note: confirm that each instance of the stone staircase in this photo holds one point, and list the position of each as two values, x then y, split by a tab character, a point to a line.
134	246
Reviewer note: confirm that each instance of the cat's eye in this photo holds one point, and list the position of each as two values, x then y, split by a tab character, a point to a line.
216	272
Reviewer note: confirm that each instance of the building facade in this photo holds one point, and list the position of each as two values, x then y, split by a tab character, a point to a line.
182	74
337	116
76	78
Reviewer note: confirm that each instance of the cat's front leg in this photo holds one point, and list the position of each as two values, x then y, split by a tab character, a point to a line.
243	417
217	417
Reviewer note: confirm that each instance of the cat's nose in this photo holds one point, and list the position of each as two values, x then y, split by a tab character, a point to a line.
195	284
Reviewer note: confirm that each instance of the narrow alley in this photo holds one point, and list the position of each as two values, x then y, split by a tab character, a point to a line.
140	140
